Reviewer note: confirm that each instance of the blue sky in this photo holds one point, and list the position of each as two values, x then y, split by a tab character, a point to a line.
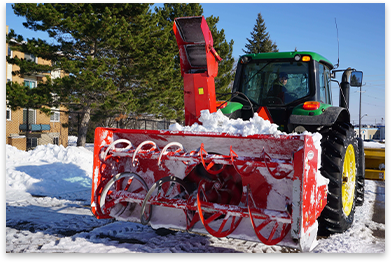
307	27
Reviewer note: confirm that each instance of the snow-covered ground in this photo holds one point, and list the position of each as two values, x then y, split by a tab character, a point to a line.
370	144
48	210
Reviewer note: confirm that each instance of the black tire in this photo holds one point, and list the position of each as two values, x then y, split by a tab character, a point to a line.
360	173
339	148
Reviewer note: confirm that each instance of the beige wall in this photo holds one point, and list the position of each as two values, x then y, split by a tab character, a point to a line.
13	135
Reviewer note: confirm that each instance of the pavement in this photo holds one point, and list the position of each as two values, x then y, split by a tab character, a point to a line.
379	208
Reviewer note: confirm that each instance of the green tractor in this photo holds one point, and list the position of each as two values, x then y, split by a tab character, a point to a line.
293	90
261	187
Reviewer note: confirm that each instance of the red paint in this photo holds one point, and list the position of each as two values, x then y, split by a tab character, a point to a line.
199	94
198	68
241	165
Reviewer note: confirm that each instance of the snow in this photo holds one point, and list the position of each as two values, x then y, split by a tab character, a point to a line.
48	193
370	144
219	123
359	238
36	172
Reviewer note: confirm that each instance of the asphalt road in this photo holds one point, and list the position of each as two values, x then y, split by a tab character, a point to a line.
379	208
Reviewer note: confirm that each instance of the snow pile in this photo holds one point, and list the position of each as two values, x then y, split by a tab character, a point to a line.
369	144
72	141
47	170
219	123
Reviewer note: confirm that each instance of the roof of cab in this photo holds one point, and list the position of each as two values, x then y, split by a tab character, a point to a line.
279	55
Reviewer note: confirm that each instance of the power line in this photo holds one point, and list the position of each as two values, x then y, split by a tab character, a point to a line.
376	86
375	75
374	105
376	80
366	95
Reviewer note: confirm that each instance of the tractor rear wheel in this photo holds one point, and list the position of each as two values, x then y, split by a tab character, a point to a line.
339	165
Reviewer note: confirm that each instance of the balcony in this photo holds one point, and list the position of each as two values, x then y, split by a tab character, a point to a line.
35	128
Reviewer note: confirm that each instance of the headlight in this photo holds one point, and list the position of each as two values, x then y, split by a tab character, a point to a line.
297	57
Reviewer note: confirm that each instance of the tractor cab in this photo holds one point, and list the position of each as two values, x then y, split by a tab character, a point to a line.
278	82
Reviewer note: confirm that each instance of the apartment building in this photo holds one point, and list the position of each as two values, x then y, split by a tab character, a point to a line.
42	128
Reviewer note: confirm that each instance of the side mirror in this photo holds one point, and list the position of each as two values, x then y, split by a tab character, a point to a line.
356	78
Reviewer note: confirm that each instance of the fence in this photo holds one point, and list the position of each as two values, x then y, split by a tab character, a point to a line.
150	124
55	129
124	122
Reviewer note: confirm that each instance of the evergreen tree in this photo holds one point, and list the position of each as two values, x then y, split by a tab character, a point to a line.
225	75
22	96
108	52
165	99
260	40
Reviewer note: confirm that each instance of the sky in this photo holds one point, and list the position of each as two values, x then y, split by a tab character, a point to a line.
356	29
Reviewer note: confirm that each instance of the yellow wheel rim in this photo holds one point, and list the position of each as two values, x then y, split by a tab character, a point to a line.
348	180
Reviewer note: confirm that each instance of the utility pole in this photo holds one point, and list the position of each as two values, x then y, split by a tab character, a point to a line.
359	113
27	128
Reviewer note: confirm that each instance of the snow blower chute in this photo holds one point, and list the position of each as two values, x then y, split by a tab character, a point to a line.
260	187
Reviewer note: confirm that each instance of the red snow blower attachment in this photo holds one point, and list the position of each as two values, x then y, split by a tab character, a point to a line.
263	188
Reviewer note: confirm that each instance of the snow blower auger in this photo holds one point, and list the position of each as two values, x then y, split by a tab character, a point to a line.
270	188
258	187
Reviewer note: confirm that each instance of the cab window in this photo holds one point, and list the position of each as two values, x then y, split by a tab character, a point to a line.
270	83
324	84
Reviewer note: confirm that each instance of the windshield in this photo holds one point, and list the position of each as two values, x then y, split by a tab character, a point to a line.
275	83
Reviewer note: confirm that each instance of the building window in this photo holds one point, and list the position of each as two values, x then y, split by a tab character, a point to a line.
30	83
55	117
8	114
30	57
55	140
9	52
32	142
31	116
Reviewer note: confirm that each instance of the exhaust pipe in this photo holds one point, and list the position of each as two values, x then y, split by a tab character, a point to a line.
344	90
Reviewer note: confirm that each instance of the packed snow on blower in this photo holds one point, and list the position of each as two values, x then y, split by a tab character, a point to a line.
284	188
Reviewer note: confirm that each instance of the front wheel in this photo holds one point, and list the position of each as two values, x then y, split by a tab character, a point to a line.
339	165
